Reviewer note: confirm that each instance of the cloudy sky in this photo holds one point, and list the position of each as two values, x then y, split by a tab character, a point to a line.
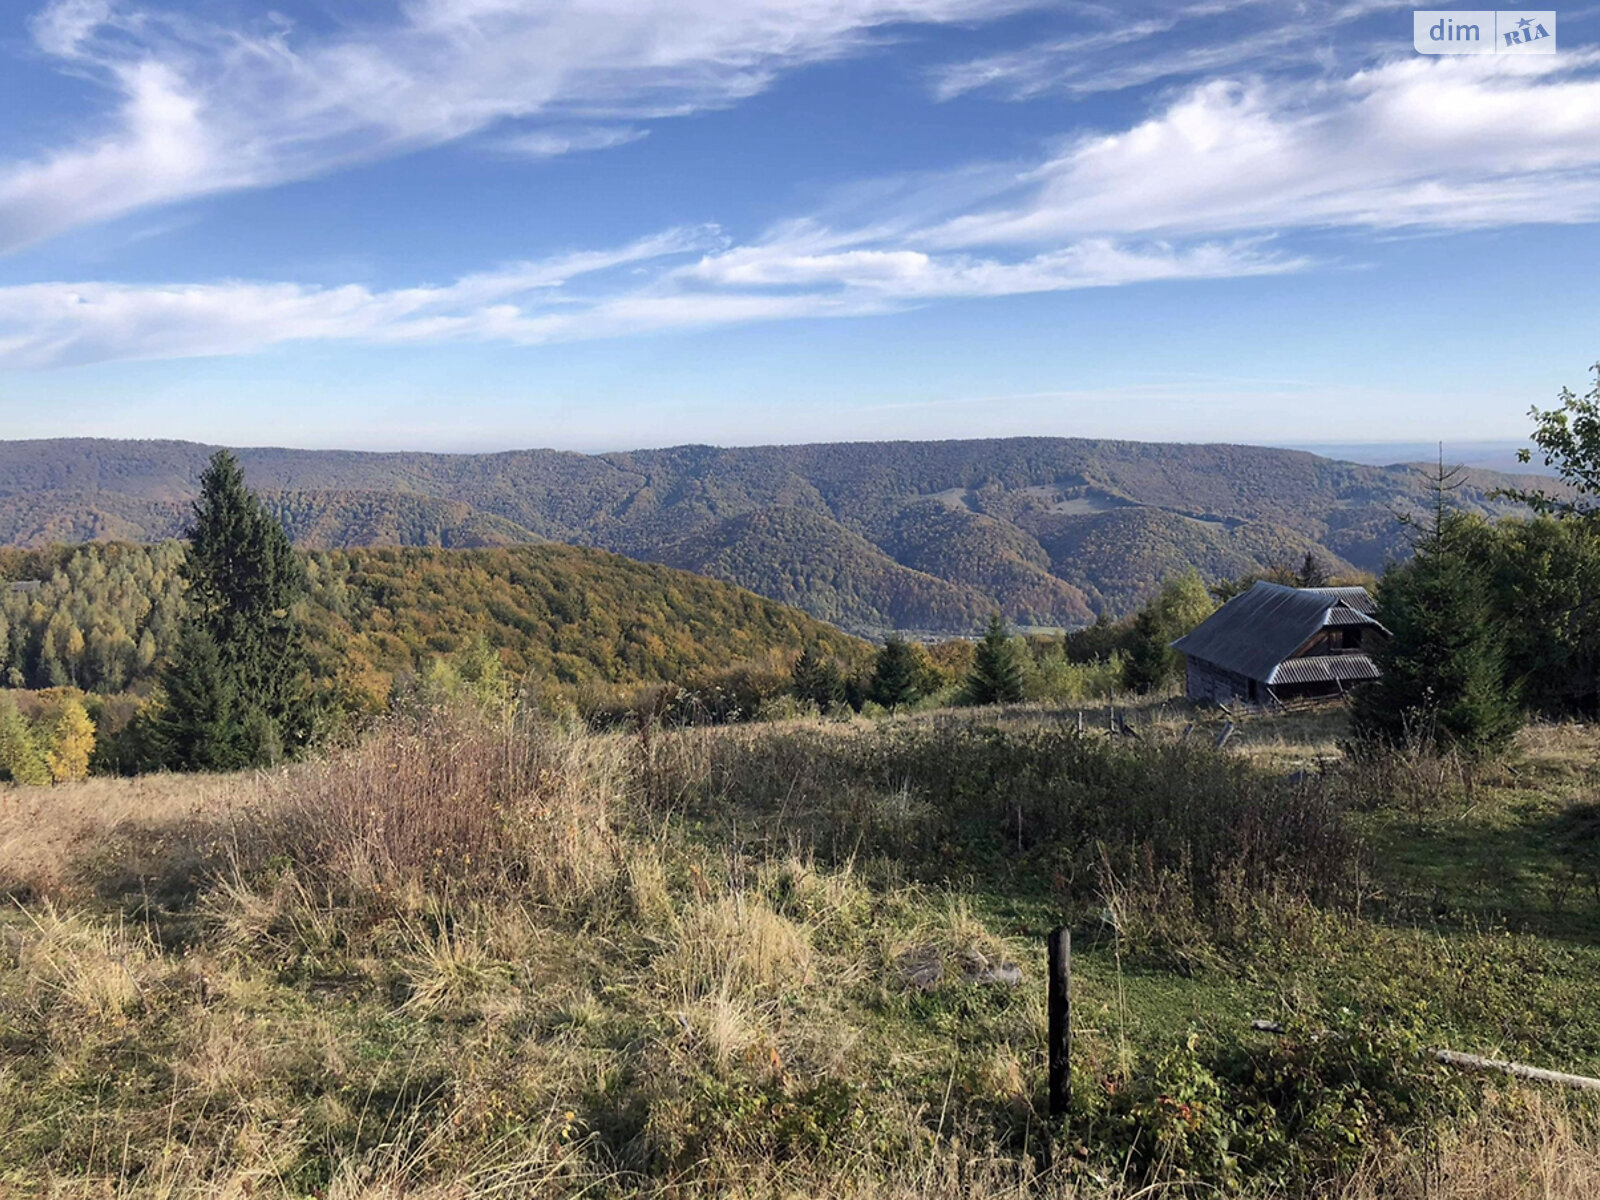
599	224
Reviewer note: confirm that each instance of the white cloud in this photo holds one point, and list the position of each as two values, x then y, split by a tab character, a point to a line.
202	108
551	143
576	297
1429	143
1173	43
911	275
1201	188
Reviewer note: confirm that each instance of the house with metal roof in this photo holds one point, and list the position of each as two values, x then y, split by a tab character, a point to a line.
1273	644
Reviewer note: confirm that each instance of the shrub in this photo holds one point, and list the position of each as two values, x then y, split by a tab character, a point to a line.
947	797
1311	1103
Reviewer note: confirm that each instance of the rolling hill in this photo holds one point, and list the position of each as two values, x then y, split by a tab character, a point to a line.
923	535
103	616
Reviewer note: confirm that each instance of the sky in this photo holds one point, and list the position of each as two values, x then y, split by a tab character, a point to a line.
608	224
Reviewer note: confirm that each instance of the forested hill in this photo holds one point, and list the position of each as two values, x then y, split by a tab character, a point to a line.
921	535
103	616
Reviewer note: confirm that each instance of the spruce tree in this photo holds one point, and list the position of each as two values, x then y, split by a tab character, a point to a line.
896	675
1148	663
1443	669
204	725
996	676
239	663
818	680
1312	573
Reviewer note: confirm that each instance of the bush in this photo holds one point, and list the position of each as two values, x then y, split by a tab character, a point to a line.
950	797
1285	1110
445	800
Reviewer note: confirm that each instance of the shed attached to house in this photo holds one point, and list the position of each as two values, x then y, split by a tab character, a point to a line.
1275	643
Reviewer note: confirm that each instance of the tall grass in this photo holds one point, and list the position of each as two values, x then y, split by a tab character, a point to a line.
1037	802
446	800
475	957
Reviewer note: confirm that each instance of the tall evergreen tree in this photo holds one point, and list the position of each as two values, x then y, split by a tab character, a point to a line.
1312	573
996	676
817	679
896	675
204	725
234	688
1443	669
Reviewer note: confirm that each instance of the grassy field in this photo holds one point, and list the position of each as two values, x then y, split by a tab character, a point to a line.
479	958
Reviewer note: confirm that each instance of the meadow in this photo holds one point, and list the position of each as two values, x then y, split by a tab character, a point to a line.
485	954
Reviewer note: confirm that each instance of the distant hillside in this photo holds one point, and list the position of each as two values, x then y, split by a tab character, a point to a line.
808	560
103	616
927	535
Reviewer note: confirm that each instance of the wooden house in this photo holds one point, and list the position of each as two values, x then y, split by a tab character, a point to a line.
1273	644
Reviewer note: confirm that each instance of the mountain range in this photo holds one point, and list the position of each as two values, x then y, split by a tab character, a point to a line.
925	536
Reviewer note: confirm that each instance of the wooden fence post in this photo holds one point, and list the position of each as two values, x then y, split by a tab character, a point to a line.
1060	1010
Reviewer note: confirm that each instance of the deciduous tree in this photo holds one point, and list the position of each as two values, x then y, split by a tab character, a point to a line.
1181	604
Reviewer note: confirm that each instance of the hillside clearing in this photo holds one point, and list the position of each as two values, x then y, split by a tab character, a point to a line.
687	963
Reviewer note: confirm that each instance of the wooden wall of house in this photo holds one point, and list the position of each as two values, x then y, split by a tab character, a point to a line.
1206	681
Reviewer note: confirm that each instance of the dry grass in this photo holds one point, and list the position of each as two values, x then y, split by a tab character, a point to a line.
455	963
44	831
1525	1145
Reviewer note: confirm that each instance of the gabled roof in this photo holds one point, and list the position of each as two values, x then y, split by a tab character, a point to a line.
1257	630
1357	598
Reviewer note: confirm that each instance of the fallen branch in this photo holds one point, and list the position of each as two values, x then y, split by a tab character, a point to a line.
1475	1062
1522	1071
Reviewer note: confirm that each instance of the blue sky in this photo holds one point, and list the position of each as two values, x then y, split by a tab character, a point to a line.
601	224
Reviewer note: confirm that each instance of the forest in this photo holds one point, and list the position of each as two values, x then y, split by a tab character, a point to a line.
928	536
100	617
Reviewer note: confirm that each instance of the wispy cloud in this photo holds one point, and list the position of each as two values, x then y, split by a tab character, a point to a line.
1176	44
551	143
200	108
1423	143
1212	184
687	285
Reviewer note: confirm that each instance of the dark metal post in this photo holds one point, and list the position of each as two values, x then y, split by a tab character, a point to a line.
1060	1034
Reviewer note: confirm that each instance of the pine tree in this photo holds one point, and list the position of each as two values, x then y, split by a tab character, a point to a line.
203	725
896	675
1312	573
1443	669
1148	662
244	581
235	693
817	679
996	676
